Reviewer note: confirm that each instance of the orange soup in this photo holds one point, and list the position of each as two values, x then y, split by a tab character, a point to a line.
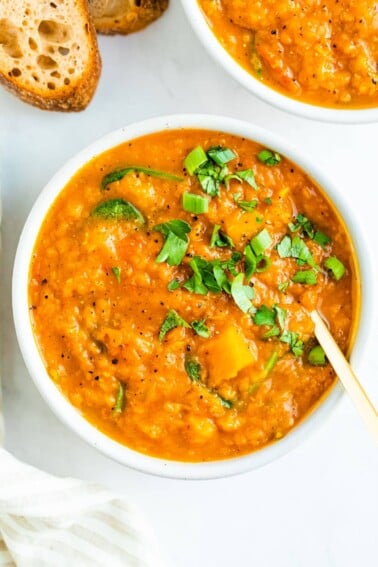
324	52
170	290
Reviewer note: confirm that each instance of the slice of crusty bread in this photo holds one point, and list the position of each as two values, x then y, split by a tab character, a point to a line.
48	52
125	16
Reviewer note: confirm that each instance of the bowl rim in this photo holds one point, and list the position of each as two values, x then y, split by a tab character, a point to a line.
51	393
264	92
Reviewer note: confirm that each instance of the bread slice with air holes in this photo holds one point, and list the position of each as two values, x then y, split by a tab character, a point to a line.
48	52
125	16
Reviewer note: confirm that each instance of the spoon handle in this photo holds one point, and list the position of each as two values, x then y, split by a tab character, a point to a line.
346	375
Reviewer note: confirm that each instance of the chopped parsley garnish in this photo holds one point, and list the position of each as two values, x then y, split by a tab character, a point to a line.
335	266
246	175
176	241
307	277
172	321
211	169
322	239
247	206
120	174
196	204
210	275
220	239
264	316
242	294
283	286
117	273
271	363
269	157
295	343
117	209
316	356
302	224
201	329
173	284
296	248
268	200
193	369
120	399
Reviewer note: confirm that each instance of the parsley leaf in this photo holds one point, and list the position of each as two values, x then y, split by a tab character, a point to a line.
264	316
302	224
193	369
294	342
173	284
269	157
220	238
246	175
247	206
322	239
176	241
201	329
117	273
171	321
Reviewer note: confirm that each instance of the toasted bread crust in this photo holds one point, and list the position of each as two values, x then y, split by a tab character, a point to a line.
73	97
130	19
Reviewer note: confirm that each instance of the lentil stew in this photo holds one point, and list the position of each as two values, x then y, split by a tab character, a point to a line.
170	290
320	52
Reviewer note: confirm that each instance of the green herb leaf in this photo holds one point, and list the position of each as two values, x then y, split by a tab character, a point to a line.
281	315
242	294
264	316
201	329
117	209
271	363
194	160
173	284
294	342
284	247
322	239
120	174
250	261
176	241
307	277
210	176
317	357
261	242
193	369
171	321
220	238
269	158
283	286
195	204
117	273
247	206
302	224
336	267
268	200
246	175
119	404
220	155
273	332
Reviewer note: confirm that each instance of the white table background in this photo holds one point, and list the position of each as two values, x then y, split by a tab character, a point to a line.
317	506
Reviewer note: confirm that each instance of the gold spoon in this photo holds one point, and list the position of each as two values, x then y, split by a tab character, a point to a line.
346	375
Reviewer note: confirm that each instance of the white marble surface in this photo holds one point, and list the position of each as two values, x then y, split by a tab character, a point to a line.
318	505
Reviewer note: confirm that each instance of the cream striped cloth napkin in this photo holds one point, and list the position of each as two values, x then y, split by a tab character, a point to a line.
54	522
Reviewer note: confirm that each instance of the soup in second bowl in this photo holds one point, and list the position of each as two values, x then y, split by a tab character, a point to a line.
321	52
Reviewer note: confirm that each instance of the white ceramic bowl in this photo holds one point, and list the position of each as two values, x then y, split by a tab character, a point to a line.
55	399
267	94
